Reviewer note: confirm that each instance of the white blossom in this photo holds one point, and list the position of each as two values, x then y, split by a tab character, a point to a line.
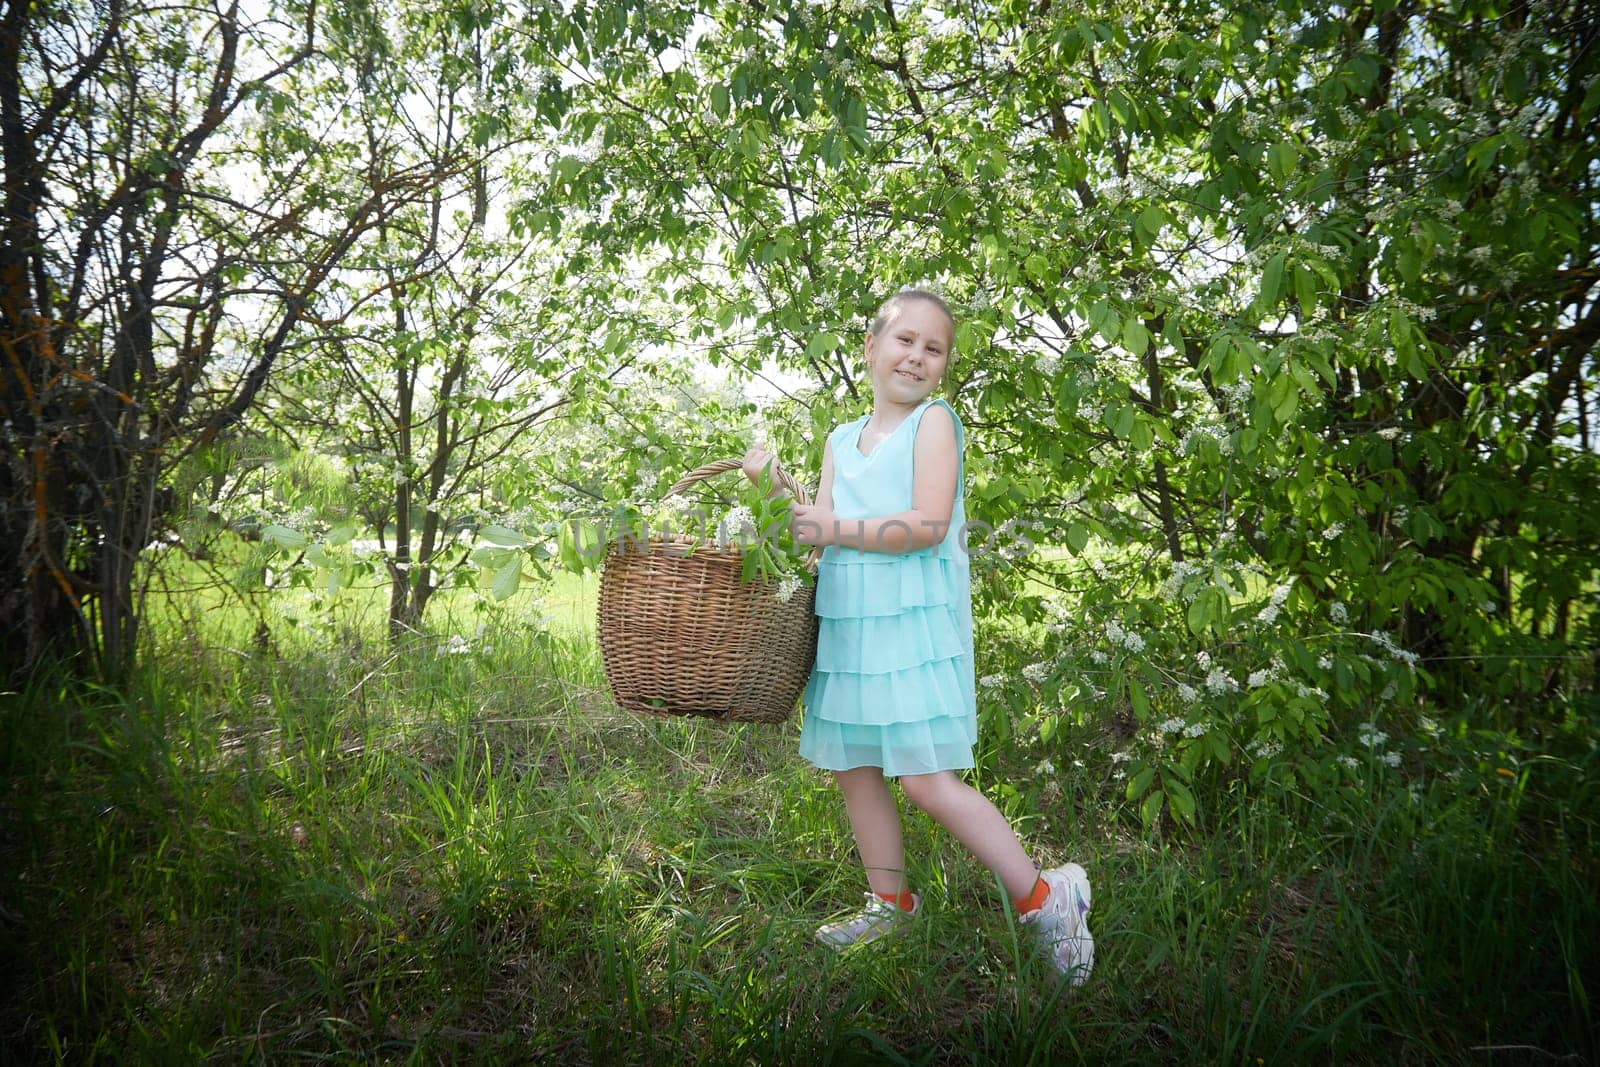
1187	693
991	681
1338	613
1333	531
788	585
1390	758
1350	762
1369	734
1171	726
737	523
1219	681
1035	672
1194	729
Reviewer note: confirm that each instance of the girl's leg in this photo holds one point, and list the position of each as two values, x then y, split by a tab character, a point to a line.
976	823
875	821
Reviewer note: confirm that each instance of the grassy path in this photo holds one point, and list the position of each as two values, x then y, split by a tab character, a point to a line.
349	855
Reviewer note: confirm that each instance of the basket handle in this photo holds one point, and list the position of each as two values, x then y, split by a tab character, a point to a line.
711	470
722	466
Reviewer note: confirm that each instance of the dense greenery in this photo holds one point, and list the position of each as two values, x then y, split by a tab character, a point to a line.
321	324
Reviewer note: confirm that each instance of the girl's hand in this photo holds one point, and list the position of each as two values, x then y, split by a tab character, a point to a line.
812	524
757	460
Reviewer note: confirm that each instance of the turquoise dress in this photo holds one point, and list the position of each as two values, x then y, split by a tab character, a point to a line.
893	682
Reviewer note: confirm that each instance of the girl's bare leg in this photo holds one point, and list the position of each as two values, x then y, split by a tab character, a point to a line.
875	821
977	824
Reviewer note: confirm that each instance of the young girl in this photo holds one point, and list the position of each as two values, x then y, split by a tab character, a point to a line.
892	692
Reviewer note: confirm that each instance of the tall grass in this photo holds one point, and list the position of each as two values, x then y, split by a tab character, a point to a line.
343	852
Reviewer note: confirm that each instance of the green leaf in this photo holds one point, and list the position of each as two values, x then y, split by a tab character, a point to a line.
1151	221
1140	701
284	537
507	579
1151	808
503	536
1135	337
1305	289
1180	799
1140	782
1077	536
342	534
1272	280
1281	159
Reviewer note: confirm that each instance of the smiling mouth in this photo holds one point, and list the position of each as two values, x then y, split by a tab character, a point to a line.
908	374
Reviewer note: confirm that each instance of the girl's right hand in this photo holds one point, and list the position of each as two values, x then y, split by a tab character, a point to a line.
756	460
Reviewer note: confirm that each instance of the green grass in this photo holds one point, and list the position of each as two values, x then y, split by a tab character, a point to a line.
341	853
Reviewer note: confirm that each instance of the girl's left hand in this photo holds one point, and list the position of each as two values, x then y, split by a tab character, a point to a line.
812	524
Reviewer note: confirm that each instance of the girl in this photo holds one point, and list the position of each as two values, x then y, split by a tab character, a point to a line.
892	692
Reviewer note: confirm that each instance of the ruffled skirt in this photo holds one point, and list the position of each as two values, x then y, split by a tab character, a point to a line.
893	681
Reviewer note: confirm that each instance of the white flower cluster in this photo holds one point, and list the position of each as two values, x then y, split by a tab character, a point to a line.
1333	531
1406	656
1187	693
1203	658
1269	614
1099	658
1118	636
1218	681
736	524
1338	613
1121	757
1310	692
1194	729
1035	672
991	681
1171	726
1182	571
1389	433
788	585
1350	762
1264	748
1390	759
1370	735
1191	440
1047	364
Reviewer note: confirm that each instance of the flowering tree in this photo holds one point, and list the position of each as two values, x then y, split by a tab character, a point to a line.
1281	317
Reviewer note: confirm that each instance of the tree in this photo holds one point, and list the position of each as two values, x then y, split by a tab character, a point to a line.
1291	307
128	258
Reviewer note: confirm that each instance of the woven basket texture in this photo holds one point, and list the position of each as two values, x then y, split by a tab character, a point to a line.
682	634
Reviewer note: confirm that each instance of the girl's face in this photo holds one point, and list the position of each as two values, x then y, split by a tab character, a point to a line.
908	358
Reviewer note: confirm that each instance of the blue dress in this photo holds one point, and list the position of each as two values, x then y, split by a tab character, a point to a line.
893	682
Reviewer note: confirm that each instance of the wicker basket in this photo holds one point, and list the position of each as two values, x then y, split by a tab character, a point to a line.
682	634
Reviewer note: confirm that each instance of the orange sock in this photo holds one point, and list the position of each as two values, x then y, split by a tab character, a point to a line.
905	900
1034	900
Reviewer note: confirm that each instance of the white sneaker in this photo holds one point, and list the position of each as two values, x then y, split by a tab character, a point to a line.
878	918
1063	922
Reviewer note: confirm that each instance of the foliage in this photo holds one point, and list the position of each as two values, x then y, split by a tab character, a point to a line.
1250	298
